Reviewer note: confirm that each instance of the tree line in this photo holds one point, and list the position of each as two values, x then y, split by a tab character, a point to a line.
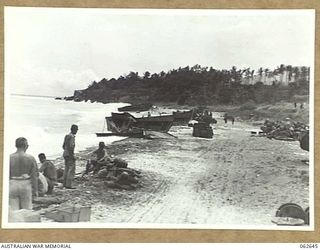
198	85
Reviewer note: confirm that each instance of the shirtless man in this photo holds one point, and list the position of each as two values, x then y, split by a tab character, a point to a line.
49	171
101	158
23	177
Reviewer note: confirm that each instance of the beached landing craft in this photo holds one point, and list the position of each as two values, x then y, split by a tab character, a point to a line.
125	124
136	107
181	117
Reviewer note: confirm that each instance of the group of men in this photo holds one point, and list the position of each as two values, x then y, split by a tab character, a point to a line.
24	172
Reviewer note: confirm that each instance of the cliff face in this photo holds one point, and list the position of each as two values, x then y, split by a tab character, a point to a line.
107	96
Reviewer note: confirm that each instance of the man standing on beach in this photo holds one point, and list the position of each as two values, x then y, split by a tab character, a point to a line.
49	171
23	177
69	157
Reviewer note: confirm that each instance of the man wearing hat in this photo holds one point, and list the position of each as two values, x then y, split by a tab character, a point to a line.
69	157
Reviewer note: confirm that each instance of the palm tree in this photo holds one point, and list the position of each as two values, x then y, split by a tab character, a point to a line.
296	72
133	75
281	70
289	74
162	74
235	75
247	74
196	68
305	73
146	75
260	74
265	75
252	75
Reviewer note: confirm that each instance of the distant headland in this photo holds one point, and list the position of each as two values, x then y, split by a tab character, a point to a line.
199	85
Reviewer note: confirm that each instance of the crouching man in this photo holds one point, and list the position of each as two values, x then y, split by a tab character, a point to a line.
100	158
49	171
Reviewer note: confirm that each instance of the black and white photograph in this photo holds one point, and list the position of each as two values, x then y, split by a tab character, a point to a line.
158	118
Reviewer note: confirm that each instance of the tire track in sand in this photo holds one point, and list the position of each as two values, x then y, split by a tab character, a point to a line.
175	201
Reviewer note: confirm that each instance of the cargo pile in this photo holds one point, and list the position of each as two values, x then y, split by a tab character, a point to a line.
116	174
284	130
202	114
201	120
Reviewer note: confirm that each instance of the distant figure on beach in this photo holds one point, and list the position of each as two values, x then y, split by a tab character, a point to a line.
69	157
23	177
301	106
101	158
49	171
227	117
295	105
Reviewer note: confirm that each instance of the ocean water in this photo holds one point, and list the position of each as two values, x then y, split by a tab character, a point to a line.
45	121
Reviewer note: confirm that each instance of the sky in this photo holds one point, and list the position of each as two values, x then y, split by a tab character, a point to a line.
54	51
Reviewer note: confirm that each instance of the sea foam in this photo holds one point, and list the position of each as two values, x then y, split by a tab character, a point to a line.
45	122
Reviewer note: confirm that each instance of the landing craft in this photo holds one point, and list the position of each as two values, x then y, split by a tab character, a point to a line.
125	124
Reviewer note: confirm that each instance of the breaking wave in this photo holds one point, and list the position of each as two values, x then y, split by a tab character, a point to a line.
45	121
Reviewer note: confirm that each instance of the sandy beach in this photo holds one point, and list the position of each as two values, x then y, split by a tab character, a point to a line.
232	179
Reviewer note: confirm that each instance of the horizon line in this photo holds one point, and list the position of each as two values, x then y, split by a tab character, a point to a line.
17	94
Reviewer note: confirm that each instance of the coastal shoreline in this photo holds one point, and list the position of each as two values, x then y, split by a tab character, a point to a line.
233	178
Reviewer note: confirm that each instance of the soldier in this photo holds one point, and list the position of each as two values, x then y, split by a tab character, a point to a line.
23	177
69	157
101	158
49	171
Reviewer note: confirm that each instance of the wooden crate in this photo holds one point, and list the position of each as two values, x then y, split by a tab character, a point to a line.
70	214
85	213
24	215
